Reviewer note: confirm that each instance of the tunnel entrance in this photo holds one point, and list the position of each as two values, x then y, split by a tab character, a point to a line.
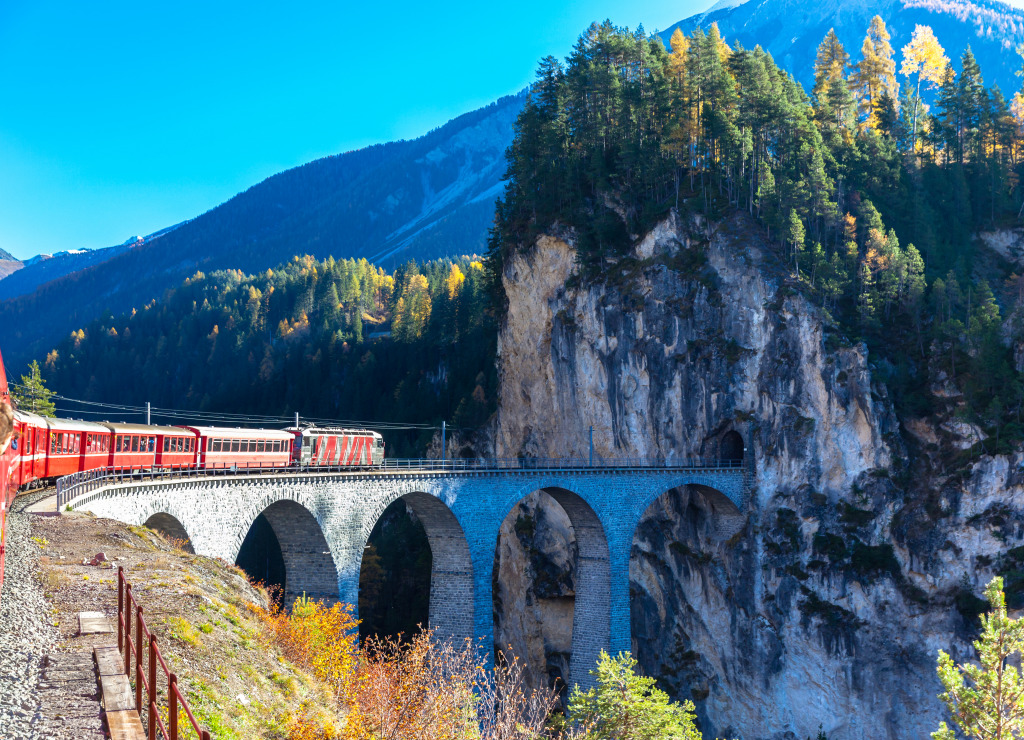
172	530
732	447
394	579
261	559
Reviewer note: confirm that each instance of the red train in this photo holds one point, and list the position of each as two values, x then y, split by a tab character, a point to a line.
42	449
46	449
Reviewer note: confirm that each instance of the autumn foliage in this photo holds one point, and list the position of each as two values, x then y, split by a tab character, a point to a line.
387	689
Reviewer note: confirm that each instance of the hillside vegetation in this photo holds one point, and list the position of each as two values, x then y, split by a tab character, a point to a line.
339	339
873	201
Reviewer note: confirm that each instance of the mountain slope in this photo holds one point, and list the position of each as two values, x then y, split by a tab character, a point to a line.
421	199
44	268
790	30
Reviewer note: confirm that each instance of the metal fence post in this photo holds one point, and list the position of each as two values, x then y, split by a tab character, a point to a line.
128	629
120	602
172	705
138	659
151	719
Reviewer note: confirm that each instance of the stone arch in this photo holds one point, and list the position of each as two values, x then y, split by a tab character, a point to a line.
308	561
171	528
591	625
725	502
451	610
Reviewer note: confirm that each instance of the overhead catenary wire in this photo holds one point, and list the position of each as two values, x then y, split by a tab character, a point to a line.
100	411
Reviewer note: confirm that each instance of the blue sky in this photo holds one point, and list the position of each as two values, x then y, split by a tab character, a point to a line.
121	118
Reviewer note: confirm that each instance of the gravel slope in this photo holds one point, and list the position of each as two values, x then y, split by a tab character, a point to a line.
25	636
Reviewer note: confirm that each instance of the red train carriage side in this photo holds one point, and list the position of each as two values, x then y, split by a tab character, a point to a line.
31	436
132	447
221	447
335	447
67	450
176	447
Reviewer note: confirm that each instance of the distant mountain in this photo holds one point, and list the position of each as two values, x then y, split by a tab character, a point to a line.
45	267
790	30
422	199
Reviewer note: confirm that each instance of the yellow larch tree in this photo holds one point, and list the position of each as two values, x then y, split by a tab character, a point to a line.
924	57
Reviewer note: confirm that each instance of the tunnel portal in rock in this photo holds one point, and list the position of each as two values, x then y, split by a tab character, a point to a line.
732	448
172	529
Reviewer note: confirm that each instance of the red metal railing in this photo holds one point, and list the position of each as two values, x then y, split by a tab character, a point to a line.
129	610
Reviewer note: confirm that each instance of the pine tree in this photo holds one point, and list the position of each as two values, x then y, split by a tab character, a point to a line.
875	74
625	706
33	395
986	701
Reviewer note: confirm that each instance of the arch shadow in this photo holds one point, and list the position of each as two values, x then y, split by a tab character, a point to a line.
451	604
309	568
170	528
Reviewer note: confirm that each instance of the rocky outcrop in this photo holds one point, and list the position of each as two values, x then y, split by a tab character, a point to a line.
860	553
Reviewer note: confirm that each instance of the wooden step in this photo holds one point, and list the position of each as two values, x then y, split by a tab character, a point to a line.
108	661
117	693
125	724
93	623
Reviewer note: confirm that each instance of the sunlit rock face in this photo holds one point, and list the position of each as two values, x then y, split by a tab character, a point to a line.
861	550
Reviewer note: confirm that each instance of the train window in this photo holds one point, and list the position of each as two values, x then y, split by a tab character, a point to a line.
235	445
135	444
215	445
120	444
78	443
261	446
167	444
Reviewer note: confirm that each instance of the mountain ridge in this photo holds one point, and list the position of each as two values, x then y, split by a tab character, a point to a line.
427	197
791	30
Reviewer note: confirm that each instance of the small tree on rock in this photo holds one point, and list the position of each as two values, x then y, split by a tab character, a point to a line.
986	701
625	706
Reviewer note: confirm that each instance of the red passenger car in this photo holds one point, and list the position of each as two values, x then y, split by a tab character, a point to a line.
31	436
132	446
221	447
68	450
176	447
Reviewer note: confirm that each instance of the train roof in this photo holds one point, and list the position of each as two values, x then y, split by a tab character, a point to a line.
69	425
242	433
143	429
333	430
28	418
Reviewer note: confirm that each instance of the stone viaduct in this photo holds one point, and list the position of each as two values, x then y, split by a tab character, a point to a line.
322	522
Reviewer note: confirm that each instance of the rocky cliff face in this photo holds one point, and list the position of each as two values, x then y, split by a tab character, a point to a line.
857	556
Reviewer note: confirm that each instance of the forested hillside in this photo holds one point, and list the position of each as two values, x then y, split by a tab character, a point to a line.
873	201
308	336
790	30
421	199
